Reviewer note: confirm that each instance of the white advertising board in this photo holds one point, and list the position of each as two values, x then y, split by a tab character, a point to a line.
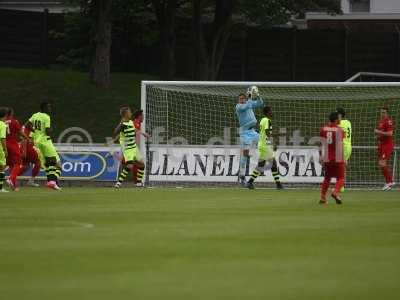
221	164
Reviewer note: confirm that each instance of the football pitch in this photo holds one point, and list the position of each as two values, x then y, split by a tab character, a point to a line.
97	243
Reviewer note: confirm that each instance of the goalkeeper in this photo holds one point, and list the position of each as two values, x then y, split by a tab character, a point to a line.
247	122
266	149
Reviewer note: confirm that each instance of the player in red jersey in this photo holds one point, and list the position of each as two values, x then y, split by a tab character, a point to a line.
29	158
137	174
384	134
331	157
14	159
137	121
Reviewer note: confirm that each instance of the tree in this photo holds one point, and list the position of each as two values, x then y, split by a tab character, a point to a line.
104	13
209	52
209	48
165	11
273	12
100	66
98	14
92	28
213	22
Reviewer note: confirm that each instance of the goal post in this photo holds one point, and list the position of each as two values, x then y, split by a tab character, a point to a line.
195	132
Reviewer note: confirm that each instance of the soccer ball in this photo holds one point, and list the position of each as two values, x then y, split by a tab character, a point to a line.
254	93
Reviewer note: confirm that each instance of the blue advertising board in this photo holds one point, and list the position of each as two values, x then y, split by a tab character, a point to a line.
93	165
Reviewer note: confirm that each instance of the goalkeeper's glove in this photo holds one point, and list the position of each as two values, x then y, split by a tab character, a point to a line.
248	93
255	94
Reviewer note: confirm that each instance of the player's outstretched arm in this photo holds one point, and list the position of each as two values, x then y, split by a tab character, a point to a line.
146	135
258	103
254	96
385	133
250	104
117	130
243	106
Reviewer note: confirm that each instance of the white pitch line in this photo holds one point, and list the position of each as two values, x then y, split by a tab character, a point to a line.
59	224
81	224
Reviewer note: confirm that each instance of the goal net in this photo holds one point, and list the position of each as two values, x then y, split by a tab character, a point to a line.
195	131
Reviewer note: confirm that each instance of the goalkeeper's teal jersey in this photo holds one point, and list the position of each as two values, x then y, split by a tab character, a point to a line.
245	113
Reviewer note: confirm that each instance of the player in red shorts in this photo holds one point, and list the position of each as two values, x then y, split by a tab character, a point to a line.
137	174
384	134
331	157
137	121
14	159
29	158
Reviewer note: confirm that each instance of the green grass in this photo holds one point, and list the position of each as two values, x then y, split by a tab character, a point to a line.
77	102
198	244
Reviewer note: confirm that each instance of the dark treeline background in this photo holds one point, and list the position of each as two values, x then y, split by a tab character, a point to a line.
252	53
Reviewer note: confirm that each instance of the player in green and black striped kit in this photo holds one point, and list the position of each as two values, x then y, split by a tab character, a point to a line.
266	149
127	139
